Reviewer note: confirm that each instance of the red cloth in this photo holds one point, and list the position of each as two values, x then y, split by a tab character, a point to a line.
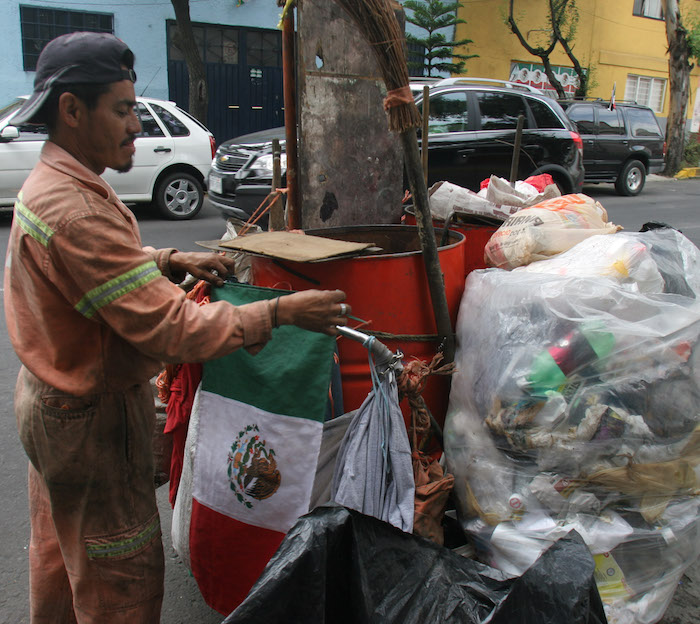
182	390
540	182
215	542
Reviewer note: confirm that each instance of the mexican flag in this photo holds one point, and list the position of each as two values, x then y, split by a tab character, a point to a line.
260	421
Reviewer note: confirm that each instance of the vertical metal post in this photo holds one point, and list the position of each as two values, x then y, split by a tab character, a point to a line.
290	121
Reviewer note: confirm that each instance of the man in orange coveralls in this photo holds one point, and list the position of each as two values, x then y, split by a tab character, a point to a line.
92	316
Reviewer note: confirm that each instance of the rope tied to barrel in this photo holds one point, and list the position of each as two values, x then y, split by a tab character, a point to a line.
411	384
264	207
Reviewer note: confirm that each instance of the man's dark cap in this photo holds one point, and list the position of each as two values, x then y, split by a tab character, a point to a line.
77	58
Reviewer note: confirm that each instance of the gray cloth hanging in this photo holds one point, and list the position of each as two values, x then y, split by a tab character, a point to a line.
373	470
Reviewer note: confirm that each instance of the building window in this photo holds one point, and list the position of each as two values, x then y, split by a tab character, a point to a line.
217	44
648	8
264	49
40	25
647	91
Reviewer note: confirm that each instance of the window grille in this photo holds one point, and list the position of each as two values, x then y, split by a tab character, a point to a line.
647	91
40	25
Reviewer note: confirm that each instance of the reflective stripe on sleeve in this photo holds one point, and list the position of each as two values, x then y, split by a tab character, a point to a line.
32	224
115	288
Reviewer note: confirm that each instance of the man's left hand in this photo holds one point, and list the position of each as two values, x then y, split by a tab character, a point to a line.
212	267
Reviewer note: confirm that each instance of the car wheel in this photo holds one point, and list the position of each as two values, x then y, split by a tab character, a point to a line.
179	196
631	179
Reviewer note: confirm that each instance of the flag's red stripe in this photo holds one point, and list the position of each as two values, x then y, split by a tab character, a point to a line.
227	556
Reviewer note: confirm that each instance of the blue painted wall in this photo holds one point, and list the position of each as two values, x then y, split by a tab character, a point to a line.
140	23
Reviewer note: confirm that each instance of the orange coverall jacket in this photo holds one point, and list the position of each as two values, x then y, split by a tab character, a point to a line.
88	309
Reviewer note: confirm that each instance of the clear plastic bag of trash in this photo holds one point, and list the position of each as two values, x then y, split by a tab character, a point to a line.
339	566
575	407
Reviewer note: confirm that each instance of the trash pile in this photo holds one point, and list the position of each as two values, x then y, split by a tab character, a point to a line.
496	200
337	565
575	406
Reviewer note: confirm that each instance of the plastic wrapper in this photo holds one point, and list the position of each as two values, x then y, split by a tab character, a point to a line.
546	229
339	566
497	200
575	406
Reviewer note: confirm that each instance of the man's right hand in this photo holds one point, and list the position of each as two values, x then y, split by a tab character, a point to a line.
315	310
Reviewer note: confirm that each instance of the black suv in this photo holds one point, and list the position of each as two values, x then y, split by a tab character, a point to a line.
621	143
471	134
471	131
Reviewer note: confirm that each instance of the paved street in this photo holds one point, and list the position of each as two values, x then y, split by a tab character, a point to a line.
674	202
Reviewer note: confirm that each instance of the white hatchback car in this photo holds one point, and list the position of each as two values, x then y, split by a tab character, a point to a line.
173	156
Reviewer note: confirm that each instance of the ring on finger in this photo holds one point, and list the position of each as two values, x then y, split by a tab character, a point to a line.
343	309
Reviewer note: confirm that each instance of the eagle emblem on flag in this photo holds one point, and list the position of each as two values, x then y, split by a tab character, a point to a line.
252	467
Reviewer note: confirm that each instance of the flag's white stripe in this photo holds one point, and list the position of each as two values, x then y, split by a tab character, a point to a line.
296	442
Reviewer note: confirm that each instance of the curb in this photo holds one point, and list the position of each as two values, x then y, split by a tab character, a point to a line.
688	172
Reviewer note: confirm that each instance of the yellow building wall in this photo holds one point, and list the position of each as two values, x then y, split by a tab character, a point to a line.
609	40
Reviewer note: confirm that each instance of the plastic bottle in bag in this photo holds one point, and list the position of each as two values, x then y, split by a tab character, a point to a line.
579	348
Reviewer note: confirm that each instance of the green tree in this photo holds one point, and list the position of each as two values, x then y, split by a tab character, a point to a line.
432	16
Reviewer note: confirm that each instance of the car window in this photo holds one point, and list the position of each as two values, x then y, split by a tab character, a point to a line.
149	126
172	123
545	117
448	113
583	117
499	111
609	121
192	119
642	122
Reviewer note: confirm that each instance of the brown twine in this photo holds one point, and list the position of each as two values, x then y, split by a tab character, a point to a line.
411	383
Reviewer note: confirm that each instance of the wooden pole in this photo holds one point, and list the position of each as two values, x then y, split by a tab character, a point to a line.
277	208
516	150
424	132
290	121
426	233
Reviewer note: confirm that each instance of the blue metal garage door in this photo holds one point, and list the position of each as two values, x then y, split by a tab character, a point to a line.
244	73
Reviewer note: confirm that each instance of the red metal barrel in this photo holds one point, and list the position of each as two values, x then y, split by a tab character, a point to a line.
476	235
388	288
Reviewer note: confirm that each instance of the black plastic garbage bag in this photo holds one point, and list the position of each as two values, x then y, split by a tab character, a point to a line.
339	566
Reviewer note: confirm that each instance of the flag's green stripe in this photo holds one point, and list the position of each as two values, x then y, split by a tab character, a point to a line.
115	288
290	376
32	224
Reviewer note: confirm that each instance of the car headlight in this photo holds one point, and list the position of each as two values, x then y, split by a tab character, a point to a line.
262	167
